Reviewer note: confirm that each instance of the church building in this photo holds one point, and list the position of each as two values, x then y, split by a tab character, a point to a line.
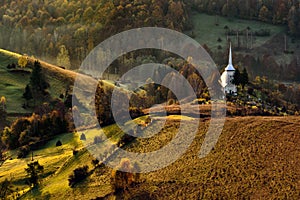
227	76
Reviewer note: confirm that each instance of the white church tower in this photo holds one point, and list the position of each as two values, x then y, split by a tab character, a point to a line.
227	76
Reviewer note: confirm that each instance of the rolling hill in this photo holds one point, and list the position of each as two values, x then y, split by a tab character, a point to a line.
255	157
13	82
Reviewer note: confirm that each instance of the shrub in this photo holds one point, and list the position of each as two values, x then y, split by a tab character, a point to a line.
11	66
125	139
121	179
23	151
75	152
82	136
34	170
98	140
58	143
78	175
171	102
95	162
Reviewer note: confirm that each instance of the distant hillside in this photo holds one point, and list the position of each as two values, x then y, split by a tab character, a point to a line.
272	12
255	157
264	49
41	28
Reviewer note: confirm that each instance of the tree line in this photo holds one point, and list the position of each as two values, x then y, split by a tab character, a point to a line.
62	31
271	11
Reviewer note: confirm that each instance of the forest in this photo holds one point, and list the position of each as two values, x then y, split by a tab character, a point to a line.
67	30
73	28
271	11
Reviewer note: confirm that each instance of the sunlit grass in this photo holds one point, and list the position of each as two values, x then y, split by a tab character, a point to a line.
251	156
12	85
9	53
179	117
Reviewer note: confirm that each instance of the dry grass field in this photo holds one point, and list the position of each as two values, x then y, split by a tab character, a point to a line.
255	158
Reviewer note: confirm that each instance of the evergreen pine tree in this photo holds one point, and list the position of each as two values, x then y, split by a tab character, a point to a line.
27	94
3	116
244	78
34	170
37	84
236	77
37	79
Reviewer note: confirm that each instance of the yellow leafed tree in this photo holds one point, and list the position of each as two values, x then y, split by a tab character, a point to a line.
63	58
120	178
3	102
23	61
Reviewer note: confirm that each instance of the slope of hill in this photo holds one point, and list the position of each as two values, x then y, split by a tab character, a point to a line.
207	32
255	157
59	163
13	83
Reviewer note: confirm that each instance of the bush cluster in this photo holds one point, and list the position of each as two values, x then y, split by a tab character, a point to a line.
78	175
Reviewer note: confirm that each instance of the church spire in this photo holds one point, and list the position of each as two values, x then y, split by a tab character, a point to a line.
230	65
230	56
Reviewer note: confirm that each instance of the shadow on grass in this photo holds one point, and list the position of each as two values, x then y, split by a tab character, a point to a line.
36	193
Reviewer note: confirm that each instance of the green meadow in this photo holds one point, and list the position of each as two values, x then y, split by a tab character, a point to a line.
207	32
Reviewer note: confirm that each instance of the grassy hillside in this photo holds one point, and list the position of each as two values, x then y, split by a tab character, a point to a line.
263	54
12	83
256	157
207	32
58	162
53	158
